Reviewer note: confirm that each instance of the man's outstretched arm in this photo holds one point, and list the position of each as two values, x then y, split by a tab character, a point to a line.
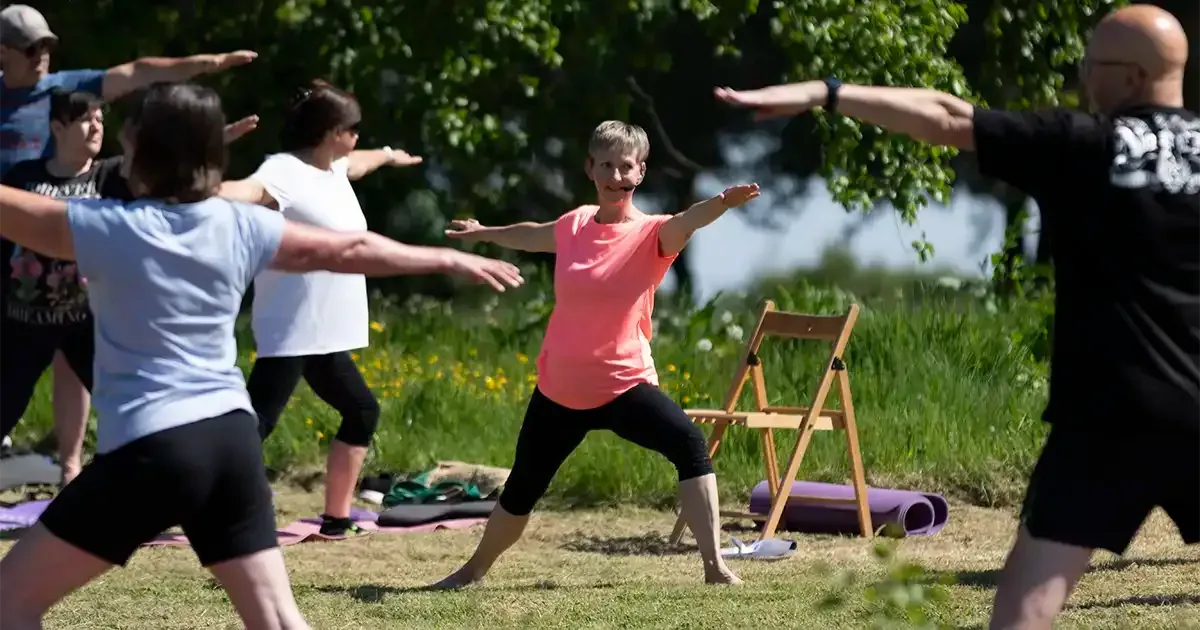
925	115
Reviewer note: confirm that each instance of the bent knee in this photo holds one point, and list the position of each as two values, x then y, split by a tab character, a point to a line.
359	423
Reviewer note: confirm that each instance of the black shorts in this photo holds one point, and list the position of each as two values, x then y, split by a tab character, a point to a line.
1093	487
207	477
25	353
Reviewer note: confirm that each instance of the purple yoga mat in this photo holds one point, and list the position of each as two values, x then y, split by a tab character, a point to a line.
918	513
22	515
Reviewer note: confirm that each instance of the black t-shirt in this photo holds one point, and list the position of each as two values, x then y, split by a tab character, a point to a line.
1120	198
37	289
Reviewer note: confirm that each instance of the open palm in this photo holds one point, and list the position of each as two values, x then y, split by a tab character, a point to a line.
739	195
464	229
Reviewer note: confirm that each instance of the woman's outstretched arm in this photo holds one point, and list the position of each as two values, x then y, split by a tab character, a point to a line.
308	248
675	233
36	222
527	236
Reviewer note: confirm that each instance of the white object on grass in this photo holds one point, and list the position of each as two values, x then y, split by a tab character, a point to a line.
769	549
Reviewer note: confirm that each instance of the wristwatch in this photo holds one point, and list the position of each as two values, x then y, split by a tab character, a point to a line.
831	99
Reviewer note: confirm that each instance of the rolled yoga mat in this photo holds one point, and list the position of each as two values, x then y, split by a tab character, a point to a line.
917	513
411	515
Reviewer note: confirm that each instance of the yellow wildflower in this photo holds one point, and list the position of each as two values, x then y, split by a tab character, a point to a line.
376	326
671	367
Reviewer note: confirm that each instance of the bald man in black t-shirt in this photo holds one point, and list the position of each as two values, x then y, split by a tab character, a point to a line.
1119	193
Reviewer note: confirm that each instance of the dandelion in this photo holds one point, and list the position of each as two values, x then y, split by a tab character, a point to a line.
671	367
734	332
687	376
320	436
308	421
377	327
704	345
687	399
522	358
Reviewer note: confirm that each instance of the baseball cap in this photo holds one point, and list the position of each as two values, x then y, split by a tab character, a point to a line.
22	26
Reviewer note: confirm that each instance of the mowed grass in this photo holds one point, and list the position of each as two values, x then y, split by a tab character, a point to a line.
948	385
612	568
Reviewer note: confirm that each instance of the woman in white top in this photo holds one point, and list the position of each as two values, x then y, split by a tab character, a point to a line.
305	326
166	276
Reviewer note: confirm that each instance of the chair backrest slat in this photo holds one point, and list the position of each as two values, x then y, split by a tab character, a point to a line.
798	326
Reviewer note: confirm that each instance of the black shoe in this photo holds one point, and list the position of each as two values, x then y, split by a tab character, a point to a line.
339	527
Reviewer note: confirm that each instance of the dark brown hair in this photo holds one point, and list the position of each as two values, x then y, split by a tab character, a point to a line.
179	142
67	106
314	112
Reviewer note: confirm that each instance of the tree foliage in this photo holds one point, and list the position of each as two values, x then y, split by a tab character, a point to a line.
500	95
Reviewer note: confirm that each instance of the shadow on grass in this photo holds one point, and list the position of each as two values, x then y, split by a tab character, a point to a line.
644	545
991	577
374	593
1178	599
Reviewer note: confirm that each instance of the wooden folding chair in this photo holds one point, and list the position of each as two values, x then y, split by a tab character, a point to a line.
765	418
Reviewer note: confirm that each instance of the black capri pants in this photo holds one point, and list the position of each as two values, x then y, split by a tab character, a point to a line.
26	350
207	476
643	415
334	378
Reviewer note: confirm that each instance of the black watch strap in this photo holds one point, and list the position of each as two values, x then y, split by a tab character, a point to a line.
831	99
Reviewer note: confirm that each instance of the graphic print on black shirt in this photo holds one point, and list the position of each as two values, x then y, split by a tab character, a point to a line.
1120	196
38	289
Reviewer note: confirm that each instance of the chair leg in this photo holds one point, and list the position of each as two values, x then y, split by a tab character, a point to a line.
714	443
785	486
858	476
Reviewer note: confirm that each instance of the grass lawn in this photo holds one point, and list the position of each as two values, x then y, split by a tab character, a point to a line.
613	569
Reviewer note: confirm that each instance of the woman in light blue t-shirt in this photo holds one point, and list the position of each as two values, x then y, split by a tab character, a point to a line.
166	275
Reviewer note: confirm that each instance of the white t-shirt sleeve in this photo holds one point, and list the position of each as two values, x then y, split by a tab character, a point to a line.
261	231
277	174
92	223
341	166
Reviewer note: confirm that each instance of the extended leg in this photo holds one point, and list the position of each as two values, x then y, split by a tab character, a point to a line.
649	418
548	435
1077	501
336	380
72	396
271	384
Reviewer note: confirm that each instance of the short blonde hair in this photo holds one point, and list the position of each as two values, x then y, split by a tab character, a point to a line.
615	134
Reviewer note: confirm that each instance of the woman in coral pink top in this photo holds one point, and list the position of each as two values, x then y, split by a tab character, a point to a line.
595	370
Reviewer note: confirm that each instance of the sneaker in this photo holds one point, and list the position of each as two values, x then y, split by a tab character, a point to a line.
339	527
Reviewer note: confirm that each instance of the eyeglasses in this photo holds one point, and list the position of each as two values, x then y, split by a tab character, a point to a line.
41	46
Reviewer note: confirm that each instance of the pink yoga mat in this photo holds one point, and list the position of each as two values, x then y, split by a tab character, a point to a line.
309	530
303	530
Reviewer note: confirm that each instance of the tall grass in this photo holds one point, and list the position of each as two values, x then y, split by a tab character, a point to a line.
948	388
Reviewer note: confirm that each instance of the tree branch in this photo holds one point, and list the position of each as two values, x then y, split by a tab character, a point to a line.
680	159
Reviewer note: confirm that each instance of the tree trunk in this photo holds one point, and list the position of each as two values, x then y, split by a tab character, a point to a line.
679	198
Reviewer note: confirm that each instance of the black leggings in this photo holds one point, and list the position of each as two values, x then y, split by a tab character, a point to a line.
26	350
643	415
333	378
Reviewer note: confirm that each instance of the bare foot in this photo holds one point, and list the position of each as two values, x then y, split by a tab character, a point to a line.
456	580
721	576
